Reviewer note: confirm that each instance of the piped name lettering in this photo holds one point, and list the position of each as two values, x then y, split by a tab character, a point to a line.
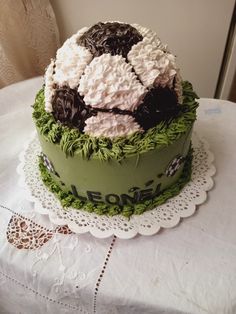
120	200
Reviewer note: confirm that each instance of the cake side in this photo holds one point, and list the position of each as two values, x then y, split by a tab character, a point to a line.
134	179
68	200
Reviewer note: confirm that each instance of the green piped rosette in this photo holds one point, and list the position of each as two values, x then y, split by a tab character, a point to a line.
72	142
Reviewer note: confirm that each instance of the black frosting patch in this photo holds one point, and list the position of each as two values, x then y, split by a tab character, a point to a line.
69	108
114	38
159	104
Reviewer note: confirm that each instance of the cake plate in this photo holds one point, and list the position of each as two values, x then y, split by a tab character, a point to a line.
167	215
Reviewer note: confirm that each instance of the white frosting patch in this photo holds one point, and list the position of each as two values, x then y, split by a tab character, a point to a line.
111	125
108	82
49	91
178	87
150	37
71	60
152	65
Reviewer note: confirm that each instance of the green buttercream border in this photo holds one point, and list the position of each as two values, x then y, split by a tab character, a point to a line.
71	141
67	199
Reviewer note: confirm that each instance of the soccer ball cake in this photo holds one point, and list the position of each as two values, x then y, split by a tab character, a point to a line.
114	120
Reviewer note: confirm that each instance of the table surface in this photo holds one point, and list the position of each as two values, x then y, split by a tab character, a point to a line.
190	268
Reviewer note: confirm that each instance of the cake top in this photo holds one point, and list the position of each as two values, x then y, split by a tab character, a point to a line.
113	79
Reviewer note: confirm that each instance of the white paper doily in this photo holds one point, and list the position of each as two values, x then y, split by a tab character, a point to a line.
164	216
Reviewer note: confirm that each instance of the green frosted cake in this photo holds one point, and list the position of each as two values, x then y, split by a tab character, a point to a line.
114	120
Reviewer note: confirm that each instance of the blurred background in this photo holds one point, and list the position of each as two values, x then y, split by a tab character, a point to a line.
201	33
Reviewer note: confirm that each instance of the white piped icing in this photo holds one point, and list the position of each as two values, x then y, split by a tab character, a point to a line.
150	37
71	60
108	82
152	65
49	90
111	125
178	87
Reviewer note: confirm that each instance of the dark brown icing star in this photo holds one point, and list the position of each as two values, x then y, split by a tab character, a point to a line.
69	108
159	104
114	38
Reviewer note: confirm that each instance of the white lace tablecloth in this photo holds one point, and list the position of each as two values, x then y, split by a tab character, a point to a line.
46	268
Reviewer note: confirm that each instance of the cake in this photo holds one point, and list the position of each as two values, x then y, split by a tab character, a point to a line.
114	120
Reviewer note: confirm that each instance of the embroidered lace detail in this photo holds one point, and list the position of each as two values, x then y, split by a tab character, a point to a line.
46	298
30	231
63	229
102	274
165	216
24	233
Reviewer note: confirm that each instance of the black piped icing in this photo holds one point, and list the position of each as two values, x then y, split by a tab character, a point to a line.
159	104
69	108
112	37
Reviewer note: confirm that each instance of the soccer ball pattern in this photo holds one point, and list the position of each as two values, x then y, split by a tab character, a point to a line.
113	79
47	163
174	165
